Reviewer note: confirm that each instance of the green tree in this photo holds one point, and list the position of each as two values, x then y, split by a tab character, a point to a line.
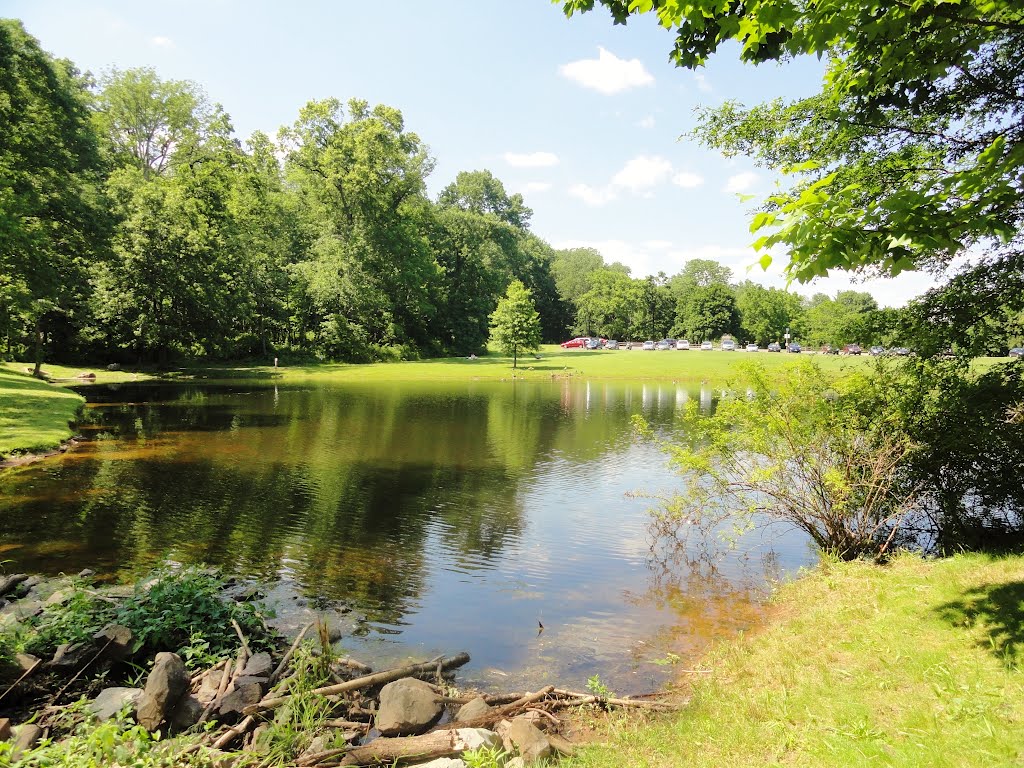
611	305
515	324
766	313
51	220
707	312
481	192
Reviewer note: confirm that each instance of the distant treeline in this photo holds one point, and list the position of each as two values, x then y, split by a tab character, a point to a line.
135	227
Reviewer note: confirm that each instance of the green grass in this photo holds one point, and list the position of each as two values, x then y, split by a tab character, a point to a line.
34	415
916	663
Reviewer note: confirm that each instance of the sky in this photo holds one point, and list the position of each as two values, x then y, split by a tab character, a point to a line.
587	120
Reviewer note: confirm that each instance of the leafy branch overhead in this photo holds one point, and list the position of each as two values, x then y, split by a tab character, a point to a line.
912	151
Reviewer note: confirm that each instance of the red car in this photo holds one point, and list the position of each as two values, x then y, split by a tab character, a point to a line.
579	341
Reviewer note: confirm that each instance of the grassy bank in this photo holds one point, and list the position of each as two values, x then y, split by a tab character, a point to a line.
916	663
34	415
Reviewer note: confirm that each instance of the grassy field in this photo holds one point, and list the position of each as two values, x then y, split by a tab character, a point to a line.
916	663
34	415
554	361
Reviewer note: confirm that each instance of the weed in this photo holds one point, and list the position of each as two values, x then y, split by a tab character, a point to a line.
484	757
598	688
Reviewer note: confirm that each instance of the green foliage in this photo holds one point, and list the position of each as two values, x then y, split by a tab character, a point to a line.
484	757
115	742
598	688
482	193
515	324
707	312
181	610
809	451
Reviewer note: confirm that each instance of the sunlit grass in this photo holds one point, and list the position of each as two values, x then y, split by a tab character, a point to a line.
34	415
916	663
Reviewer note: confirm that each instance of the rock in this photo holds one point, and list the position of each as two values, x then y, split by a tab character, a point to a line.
476	738
246	679
257	735
68	656
26	738
515	762
560	745
164	687
316	744
472	710
8	583
210	685
5	729
116	639
240	697
529	741
59	597
114	367
260	665
110	701
407	706
185	714
25	661
86	573
443	762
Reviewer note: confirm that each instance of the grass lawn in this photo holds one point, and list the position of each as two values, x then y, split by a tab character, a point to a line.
915	663
554	361
34	415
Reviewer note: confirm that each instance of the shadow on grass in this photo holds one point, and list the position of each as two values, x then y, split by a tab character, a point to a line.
999	608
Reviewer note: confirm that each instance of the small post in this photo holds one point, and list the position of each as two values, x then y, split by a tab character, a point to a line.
275	362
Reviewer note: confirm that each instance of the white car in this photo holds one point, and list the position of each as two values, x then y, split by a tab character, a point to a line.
682	344
728	345
752	347
706	345
649	345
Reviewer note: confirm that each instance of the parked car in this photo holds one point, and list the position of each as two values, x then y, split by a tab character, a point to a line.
752	347
852	349
706	345
876	351
774	347
828	349
1017	352
611	344
649	345
728	345
794	348
902	351
579	341
664	344
682	344
593	344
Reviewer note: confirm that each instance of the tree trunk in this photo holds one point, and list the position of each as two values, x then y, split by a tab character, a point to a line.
39	347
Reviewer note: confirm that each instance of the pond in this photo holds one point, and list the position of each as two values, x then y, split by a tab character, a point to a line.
422	518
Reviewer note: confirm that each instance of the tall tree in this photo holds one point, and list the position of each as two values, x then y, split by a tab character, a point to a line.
482	192
766	314
51	224
515	324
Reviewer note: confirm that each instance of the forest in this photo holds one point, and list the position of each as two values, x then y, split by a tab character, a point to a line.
138	228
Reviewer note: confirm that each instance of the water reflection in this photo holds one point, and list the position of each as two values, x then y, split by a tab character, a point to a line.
449	516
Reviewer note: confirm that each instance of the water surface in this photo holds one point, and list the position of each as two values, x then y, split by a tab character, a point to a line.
424	519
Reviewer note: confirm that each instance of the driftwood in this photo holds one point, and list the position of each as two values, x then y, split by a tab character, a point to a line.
500	713
429	746
230	735
573	698
291	652
24	675
357	666
369	681
319	757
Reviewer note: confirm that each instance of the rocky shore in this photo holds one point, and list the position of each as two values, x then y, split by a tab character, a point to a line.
238	692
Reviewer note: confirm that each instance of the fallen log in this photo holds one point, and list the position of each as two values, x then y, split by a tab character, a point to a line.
369	681
429	746
230	735
573	698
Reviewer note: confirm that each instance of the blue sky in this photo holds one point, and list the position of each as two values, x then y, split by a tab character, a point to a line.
582	117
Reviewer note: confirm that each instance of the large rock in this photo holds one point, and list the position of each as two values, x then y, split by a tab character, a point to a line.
407	706
529	741
240	697
185	714
164	687
117	640
210	686
472	710
70	657
443	762
26	737
260	665
110	701
5	729
8	583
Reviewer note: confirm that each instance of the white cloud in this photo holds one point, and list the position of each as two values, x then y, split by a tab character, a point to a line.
642	172
595	196
162	42
536	186
531	159
687	180
702	82
646	122
607	73
741	182
658	245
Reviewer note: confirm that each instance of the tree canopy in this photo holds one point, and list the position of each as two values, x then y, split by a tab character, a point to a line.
515	324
